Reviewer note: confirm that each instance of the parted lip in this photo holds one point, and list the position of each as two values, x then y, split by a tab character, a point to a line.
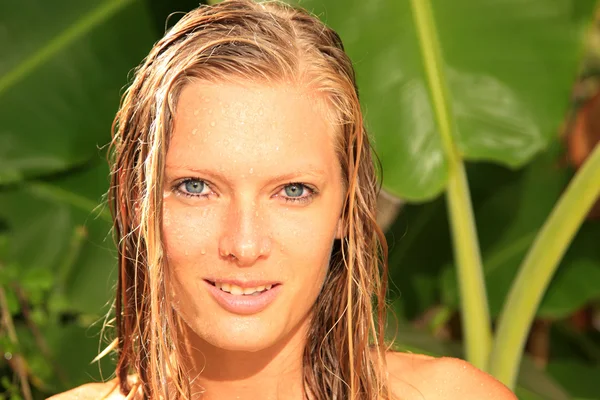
242	284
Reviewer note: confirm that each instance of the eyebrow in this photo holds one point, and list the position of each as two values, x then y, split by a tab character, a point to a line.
289	176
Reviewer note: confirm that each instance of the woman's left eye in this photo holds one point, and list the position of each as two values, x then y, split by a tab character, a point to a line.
297	192
193	188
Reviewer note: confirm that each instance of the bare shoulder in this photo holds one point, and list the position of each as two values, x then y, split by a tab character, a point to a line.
416	376
108	390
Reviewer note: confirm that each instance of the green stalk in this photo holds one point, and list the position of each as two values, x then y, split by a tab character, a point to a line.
539	266
81	27
475	311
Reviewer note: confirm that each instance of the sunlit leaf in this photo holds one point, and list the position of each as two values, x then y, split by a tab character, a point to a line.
509	67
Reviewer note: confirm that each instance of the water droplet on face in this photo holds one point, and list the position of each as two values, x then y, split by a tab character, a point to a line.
203	251
251	170
260	111
186	252
196	112
210	110
212	123
194	131
276	148
256	213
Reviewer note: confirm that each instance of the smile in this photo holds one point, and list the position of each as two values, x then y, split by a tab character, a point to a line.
239	291
242	298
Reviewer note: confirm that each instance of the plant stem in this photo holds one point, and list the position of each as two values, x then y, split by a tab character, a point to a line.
16	362
475	312
539	266
81	26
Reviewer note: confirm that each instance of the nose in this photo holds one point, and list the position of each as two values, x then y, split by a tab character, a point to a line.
244	239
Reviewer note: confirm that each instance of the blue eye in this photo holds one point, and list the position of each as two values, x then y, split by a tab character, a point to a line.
298	193
294	190
192	187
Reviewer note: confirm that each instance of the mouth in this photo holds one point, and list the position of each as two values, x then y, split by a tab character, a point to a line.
237	290
243	298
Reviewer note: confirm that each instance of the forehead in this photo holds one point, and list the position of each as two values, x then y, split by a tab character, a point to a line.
268	126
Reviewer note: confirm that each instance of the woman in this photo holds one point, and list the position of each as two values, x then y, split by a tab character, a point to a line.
243	193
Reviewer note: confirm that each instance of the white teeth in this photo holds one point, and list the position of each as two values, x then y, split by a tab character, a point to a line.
236	290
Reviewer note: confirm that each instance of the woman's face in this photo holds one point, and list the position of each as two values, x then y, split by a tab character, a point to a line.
252	203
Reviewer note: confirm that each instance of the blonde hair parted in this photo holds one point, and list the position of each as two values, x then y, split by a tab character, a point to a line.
267	43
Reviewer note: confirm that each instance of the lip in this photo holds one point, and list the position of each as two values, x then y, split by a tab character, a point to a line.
243	284
240	304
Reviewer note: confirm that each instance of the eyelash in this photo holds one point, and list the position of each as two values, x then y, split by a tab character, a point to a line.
311	192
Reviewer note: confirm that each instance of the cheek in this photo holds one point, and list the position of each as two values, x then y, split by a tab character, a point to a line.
187	232
304	241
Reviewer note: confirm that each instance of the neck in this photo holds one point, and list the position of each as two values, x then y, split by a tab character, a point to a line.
271	373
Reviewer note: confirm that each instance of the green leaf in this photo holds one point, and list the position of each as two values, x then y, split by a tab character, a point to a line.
580	379
44	219
414	269
508	221
509	67
76	365
421	277
63	65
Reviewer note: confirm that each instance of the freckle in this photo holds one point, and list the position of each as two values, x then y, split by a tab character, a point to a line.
212	123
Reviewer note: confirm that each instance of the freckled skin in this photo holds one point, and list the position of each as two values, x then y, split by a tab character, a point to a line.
248	136
238	138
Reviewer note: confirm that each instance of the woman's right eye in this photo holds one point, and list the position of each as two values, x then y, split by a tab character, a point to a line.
193	188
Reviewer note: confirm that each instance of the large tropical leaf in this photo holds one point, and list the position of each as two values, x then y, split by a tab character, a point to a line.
60	228
508	65
63	65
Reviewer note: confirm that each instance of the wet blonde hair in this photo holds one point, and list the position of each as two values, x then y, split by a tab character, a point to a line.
266	43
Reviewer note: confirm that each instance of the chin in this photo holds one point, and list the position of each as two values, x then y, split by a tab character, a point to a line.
241	333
